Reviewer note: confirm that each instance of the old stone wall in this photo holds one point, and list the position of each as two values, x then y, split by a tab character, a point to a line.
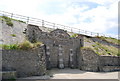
93	62
61	50
110	60
110	63
24	62
90	60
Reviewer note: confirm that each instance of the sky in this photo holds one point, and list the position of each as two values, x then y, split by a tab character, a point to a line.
92	15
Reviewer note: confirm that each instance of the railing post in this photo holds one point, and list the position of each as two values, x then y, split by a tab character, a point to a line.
85	32
11	15
54	25
97	34
79	31
91	33
27	20
64	27
42	23
71	30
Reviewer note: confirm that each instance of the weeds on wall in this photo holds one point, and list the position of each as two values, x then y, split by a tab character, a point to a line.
26	45
11	46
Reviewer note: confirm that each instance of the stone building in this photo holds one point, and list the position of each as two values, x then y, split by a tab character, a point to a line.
61	50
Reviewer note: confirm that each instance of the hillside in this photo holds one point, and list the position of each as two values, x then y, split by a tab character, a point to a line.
13	33
103	45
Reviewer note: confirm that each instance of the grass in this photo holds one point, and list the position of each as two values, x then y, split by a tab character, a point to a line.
94	45
19	20
118	54
11	46
89	48
7	20
13	35
74	35
106	50
26	45
110	39
102	49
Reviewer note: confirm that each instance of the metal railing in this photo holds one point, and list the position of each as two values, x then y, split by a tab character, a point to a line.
40	22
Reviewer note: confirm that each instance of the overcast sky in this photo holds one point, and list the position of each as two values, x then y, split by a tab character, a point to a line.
93	15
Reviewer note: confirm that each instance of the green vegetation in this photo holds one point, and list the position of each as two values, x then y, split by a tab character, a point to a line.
89	48
22	46
28	45
105	49
11	46
19	20
7	20
74	35
118	54
13	35
101	48
25	45
109	39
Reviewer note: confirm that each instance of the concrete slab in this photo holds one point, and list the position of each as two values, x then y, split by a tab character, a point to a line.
78	74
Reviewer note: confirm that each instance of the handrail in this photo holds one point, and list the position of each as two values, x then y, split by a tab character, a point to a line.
48	24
